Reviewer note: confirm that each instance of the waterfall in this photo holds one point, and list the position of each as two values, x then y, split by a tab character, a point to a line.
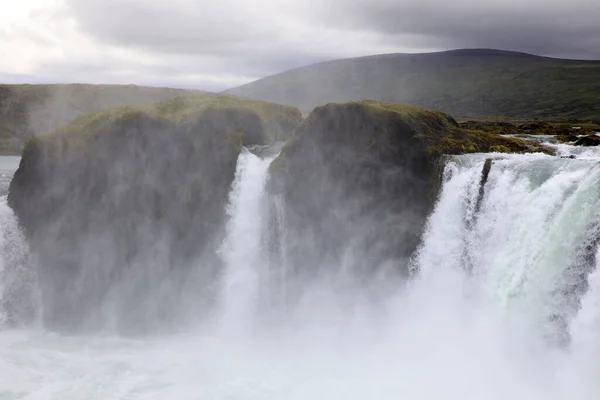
277	239
528	237
18	301
503	303
243	249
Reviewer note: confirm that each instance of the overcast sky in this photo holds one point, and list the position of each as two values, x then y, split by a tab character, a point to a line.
223	43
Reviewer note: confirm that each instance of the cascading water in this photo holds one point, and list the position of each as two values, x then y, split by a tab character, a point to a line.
17	279
521	242
507	269
242	250
18	293
277	238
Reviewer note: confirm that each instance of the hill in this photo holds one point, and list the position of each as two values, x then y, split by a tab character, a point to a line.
31	110
472	82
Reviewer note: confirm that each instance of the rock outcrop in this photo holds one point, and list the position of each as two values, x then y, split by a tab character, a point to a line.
590	140
119	204
364	176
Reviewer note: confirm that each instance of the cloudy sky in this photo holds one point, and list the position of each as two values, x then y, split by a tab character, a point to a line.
223	43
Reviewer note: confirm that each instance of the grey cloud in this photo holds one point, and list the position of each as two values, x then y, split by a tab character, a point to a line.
263	37
153	75
176	70
216	44
173	26
229	35
570	29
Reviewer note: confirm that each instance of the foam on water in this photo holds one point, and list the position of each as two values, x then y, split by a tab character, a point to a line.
580	152
452	333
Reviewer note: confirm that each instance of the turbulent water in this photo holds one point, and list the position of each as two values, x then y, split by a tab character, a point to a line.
504	303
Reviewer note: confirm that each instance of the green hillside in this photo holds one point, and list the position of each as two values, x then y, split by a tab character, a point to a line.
459	82
31	110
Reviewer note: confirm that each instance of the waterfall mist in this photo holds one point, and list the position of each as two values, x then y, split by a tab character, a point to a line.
503	303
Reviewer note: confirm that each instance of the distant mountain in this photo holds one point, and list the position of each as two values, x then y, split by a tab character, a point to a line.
459	82
32	110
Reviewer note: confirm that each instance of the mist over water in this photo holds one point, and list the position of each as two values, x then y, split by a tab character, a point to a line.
504	303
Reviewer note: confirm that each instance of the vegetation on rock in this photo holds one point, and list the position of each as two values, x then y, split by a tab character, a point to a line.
559	128
278	120
497	127
565	138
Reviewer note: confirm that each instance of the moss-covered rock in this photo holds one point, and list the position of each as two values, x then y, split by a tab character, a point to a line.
129	198
367	174
460	141
566	138
590	140
497	127
557	128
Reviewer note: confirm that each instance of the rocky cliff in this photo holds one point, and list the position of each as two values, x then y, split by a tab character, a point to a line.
365	175
118	205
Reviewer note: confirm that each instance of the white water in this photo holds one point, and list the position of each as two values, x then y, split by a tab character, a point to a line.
15	271
450	335
580	152
241	251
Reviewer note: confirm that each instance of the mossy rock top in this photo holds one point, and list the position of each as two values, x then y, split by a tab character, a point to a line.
408	112
278	119
438	132
498	127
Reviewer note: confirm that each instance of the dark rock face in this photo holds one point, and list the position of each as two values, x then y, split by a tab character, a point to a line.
360	176
566	138
591	140
358	181
124	218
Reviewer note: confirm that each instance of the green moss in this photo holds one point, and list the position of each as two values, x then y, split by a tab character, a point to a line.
277	119
414	116
443	135
497	127
559	128
380	126
470	148
461	141
499	149
566	138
